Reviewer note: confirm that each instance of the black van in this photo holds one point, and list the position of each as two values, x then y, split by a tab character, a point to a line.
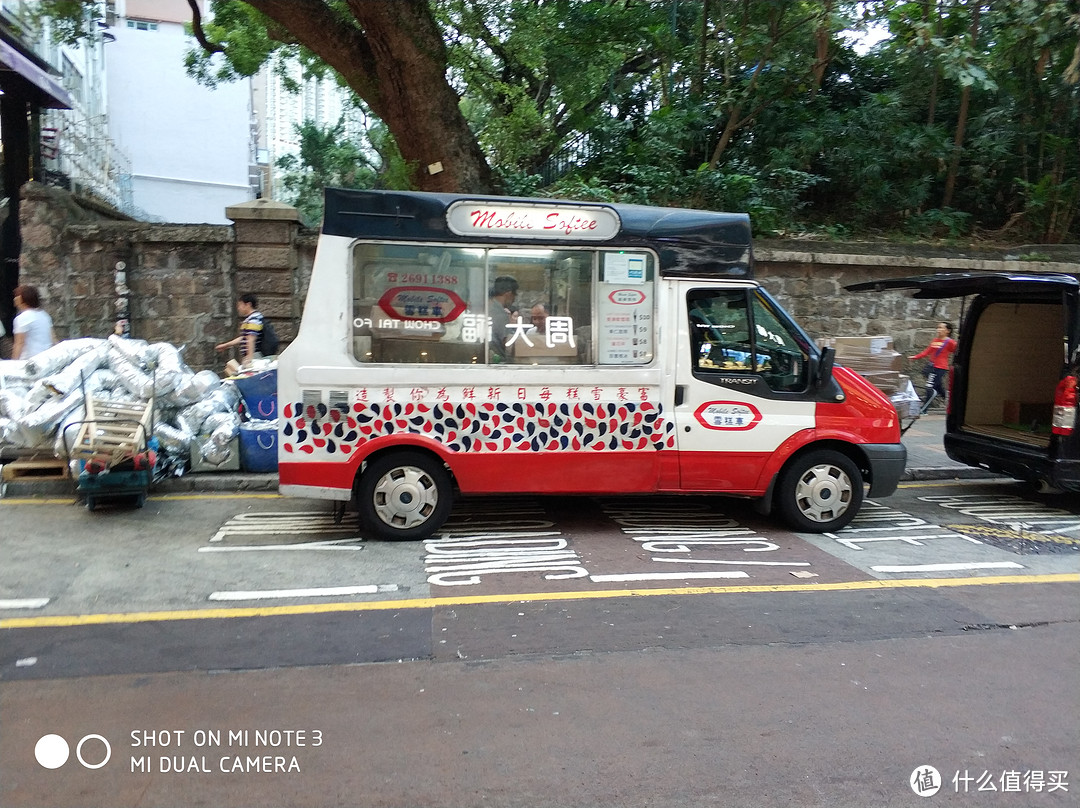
1013	388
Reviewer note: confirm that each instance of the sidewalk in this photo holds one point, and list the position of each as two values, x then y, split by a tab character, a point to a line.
926	460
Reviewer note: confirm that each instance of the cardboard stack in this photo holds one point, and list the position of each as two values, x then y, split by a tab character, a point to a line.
871	357
878	362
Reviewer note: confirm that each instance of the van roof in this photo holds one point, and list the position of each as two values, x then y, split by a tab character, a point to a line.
690	243
962	284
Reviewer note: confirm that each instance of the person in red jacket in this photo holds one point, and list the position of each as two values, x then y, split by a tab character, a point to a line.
939	350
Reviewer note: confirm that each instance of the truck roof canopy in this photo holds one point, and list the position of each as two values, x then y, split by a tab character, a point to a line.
690	243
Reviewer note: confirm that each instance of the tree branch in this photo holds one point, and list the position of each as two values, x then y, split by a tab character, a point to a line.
200	34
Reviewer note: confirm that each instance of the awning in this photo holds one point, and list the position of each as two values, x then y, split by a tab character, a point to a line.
13	61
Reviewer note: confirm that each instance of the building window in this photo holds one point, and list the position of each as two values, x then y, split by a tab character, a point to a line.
142	25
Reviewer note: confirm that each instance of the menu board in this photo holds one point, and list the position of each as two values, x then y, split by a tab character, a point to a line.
625	310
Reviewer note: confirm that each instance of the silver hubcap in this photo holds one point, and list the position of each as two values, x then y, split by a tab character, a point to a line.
823	493
405	497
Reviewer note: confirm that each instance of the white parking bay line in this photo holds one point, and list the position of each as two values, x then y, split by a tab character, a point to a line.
329	591
669	576
977	565
23	603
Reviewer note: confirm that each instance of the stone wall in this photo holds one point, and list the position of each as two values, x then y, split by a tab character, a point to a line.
184	279
809	280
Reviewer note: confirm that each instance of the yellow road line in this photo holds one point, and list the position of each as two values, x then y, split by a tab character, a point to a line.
35	501
952	481
467	600
153	498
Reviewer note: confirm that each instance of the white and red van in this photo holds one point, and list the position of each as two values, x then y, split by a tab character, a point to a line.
463	345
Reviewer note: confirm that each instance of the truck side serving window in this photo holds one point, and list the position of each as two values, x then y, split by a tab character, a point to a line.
436	304
739	331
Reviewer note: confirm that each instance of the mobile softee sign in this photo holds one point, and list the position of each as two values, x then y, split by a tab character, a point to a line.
531	221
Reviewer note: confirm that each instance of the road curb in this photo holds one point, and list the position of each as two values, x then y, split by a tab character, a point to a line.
949	473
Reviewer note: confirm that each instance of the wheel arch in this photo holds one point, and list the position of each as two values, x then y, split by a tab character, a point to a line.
846	448
381	448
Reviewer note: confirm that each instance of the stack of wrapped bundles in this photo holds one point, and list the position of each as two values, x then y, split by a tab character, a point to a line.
196	415
875	359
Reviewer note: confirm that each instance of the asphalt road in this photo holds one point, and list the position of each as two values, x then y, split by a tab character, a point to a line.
217	651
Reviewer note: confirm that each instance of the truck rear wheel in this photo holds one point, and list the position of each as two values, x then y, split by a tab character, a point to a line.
820	491
403	496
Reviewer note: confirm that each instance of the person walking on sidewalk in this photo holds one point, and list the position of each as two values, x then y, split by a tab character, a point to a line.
939	350
251	330
33	327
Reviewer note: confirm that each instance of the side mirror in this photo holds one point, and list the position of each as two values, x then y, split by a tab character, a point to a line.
825	367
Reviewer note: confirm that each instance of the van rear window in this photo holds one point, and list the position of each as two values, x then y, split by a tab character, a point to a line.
425	303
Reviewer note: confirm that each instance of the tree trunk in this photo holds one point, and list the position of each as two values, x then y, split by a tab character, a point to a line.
697	86
961	120
393	56
822	40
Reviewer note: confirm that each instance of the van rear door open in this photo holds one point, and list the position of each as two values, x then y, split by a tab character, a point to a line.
1012	400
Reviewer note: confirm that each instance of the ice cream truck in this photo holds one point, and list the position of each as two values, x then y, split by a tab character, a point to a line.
457	345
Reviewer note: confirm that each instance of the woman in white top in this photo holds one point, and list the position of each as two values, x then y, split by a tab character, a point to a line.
33	328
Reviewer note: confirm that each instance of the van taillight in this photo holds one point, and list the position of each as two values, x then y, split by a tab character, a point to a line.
1065	406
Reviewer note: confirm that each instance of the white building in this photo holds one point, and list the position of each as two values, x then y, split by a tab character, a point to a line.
321	101
75	149
191	147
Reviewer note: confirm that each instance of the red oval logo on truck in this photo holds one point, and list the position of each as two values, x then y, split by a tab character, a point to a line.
728	415
627	297
422	303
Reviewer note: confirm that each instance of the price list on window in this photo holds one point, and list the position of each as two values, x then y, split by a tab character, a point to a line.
625	310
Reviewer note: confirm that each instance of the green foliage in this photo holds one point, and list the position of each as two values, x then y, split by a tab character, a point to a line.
71	20
935	223
326	158
770	106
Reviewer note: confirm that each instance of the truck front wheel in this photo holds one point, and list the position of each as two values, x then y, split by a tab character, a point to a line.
820	492
403	496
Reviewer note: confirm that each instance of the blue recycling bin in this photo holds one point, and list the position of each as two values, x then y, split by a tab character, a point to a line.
258	446
259	392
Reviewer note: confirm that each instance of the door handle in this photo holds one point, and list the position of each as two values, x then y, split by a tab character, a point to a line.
680	394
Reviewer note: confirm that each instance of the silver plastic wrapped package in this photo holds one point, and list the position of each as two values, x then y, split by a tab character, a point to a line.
103	379
72	376
173	440
59	356
38	395
137	382
36	426
222	427
194	387
208	381
184	393
132	351
224	399
67	432
9	431
13	403
13	373
213	453
167	367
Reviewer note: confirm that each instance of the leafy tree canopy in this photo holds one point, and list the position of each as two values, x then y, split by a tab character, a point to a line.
963	120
